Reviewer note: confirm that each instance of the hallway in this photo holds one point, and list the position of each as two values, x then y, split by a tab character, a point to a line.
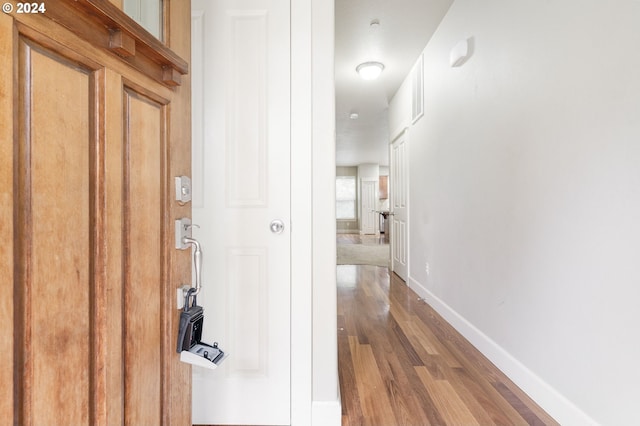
401	364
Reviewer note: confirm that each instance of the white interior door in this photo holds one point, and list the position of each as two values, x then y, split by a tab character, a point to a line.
368	192
241	184
399	207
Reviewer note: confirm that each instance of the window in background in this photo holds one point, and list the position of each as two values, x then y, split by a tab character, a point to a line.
345	197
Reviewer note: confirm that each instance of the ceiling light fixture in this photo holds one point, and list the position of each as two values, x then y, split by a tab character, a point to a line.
370	70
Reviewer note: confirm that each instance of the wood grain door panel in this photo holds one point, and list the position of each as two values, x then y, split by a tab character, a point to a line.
144	270
89	145
53	185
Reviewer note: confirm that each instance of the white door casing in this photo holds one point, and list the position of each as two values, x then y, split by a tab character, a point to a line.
399	184
368	198
244	161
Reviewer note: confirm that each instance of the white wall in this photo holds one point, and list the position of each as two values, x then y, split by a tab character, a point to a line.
400	110
368	171
525	196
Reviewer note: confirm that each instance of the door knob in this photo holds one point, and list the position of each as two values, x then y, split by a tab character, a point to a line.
277	226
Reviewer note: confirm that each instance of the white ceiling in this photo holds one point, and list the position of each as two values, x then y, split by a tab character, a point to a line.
405	27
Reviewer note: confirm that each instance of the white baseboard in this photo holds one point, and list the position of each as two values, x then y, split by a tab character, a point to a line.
552	401
326	413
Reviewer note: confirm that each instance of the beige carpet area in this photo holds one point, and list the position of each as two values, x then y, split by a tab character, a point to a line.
363	254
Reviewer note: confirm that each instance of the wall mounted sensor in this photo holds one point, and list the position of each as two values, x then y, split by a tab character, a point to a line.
459	53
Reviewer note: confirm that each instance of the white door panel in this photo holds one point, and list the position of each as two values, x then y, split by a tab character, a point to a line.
244	157
368	190
399	206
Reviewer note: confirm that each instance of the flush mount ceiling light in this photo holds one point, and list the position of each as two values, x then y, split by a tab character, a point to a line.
369	70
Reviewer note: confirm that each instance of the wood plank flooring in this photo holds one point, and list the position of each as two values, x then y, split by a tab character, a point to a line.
400	363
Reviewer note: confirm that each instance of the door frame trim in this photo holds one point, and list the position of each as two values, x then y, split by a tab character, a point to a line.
315	394
301	203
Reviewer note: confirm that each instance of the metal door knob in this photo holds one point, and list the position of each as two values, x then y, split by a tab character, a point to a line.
277	226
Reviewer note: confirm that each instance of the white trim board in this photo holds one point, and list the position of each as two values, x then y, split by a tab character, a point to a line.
326	413
547	397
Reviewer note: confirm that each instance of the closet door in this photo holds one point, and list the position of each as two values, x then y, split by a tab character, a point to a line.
369	192
400	206
245	213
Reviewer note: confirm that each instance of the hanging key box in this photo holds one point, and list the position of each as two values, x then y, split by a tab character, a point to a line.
190	346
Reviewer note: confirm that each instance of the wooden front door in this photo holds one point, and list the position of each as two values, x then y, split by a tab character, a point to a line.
95	123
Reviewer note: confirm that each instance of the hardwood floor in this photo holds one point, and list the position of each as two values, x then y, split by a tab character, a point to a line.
400	363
